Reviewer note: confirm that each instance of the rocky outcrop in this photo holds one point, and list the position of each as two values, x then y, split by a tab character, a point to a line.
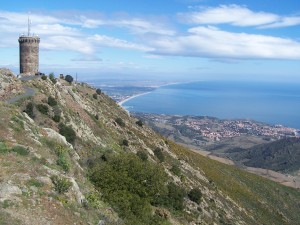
56	136
9	192
9	84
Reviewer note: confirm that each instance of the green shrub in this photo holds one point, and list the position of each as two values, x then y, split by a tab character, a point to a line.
52	78
69	78
20	150
63	162
142	155
97	117
42	109
68	132
174	198
98	91
56	118
52	101
93	200
95	96
195	195
35	183
139	123
125	142
3	148
130	185
61	184
44	77
176	170
120	122
159	154
29	110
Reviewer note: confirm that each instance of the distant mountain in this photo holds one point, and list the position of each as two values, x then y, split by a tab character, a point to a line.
282	155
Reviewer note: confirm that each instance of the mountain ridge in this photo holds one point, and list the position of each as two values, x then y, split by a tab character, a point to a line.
51	143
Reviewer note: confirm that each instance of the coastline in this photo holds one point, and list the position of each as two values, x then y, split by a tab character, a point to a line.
132	97
155	87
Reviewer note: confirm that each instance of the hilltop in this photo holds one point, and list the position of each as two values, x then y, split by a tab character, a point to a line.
70	155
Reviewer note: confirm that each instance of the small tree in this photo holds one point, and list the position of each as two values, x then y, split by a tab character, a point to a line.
56	118
69	78
159	154
195	195
29	110
52	101
125	142
139	123
68	132
176	170
95	96
120	122
43	109
98	91
52	78
142	155
44	77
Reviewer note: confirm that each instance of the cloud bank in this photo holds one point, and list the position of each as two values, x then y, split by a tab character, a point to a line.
193	34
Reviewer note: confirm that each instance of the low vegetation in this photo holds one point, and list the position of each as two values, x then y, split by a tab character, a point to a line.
133	186
67	132
120	122
29	110
159	154
61	184
42	109
195	195
52	101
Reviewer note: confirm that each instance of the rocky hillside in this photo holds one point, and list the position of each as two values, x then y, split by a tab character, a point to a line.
70	155
9	84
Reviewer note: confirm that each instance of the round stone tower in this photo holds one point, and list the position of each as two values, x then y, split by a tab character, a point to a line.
29	53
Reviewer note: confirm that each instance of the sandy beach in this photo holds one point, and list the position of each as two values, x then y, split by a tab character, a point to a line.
132	97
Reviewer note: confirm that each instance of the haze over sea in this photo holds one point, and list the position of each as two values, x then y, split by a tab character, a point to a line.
270	102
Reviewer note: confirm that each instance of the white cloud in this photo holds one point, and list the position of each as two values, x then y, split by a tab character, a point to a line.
135	25
237	15
231	14
59	43
103	40
142	26
284	22
212	42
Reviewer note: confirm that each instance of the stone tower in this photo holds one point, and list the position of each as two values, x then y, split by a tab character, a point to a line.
29	53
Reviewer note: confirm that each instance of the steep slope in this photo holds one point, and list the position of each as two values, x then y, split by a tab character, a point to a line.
282	155
69	155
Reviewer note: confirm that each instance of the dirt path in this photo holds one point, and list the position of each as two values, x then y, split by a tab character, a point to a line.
28	92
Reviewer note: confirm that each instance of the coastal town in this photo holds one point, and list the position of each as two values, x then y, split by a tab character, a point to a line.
214	129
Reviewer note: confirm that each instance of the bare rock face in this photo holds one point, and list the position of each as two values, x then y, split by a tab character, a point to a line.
9	84
56	136
8	191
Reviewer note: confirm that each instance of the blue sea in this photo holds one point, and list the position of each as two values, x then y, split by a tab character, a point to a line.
270	102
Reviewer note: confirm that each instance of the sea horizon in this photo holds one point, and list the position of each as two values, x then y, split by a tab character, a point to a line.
276	103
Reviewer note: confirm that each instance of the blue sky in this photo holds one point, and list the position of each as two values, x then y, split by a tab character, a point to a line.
168	38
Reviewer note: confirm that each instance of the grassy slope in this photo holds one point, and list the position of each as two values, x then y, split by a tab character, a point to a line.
266	201
282	155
